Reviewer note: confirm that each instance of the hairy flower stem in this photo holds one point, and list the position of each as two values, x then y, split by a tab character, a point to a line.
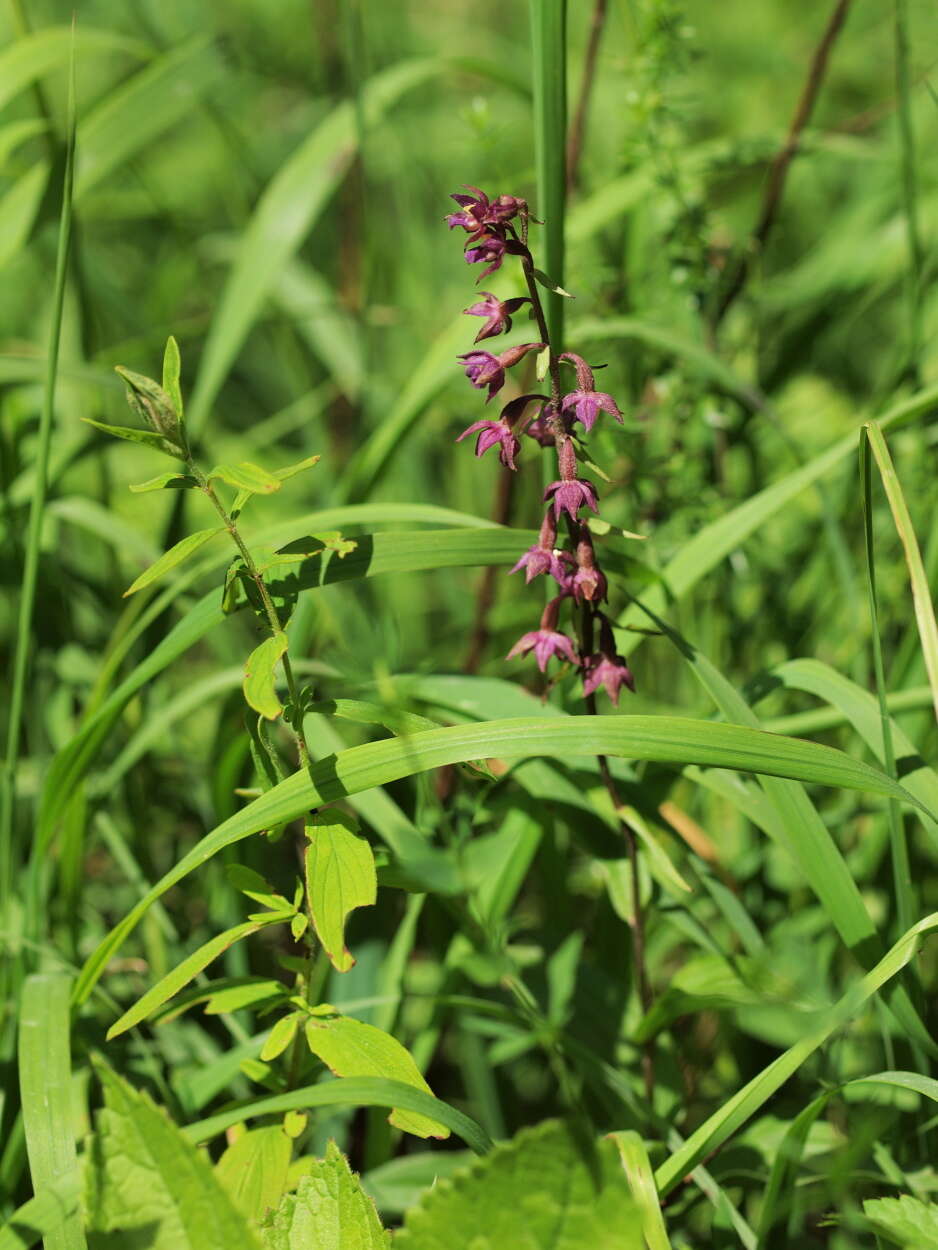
270	610
585	623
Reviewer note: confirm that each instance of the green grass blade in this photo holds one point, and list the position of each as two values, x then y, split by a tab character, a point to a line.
549	64
285	214
921	597
665	739
46	1094
42	1216
641	1180
744	1104
27	597
35	55
353	1091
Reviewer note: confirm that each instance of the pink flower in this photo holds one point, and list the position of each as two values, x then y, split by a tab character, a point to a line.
586	406
570	496
488	249
484	370
492	434
609	671
497	313
589	581
478	211
544	558
544	643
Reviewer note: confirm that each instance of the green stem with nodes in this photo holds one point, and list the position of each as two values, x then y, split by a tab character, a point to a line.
270	610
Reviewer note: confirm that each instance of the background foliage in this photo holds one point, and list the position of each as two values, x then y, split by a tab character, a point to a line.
267	183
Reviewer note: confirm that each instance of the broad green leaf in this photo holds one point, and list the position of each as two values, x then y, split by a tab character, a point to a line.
253	1170
254	887
281	1036
546	1189
132	434
181	975
329	1211
259	686
46	1094
19	208
350	1047
340	876
137	112
921	596
637	1168
667	739
400	1183
43	1216
165	481
246	476
737	1109
363	1091
285	214
172	368
145	1182
171	559
26	60
907	1221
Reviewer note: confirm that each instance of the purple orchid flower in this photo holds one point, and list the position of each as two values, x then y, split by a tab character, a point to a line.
589	581
488	249
570	497
547	640
485	370
492	434
609	671
497	313
586	406
478	211
544	558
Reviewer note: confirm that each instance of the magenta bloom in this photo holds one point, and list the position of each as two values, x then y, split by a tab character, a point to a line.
609	671
544	558
484	370
544	643
494	434
496	312
478	211
488	249
586	406
570	496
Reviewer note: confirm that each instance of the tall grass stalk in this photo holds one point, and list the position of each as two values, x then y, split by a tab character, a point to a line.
27	598
549	66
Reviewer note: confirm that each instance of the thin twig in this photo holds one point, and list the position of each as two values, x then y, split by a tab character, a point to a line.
578	125
775	186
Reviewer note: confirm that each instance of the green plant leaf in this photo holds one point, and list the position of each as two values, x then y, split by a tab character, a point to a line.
253	1170
26	60
165	481
172	369
148	1184
362	1091
42	1216
181	975
668	739
340	876
329	1211
737	1109
281	1036
546	1189
259	685
46	1094
132	434
907	1221
550	285
171	559
19	209
247	477
349	1047
637	1168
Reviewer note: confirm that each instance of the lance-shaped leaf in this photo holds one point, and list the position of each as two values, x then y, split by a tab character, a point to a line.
247	477
132	435
282	475
329	1211
171	559
340	876
172	368
165	481
181	975
259	675
352	1048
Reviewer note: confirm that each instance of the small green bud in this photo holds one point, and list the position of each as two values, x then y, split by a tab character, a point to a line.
153	406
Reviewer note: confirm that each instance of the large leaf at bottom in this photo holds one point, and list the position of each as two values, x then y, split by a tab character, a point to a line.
664	739
329	1211
147	1186
540	1191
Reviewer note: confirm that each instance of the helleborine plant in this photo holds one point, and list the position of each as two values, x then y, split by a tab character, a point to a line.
339	867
